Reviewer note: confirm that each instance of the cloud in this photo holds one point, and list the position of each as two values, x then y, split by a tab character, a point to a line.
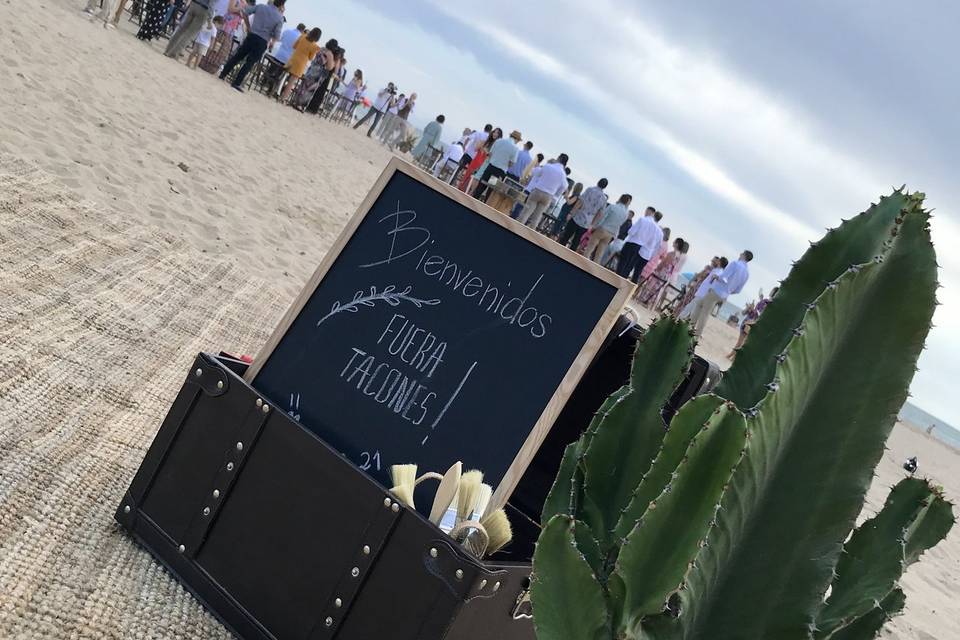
696	165
750	127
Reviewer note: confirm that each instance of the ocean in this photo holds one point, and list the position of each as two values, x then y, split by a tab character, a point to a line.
917	417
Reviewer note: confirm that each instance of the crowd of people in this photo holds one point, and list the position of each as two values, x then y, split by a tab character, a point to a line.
230	38
584	220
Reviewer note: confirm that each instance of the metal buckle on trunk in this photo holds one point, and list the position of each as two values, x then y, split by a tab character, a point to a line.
523	608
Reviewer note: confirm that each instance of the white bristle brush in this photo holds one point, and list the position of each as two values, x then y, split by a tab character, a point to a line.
483	500
403	477
468	494
498	530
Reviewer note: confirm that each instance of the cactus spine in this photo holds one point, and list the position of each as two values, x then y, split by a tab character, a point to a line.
735	521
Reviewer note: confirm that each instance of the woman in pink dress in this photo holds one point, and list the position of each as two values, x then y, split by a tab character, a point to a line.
668	268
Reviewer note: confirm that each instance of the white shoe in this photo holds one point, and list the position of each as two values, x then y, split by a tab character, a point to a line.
109	25
90	12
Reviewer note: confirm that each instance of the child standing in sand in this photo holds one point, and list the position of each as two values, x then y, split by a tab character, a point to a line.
202	44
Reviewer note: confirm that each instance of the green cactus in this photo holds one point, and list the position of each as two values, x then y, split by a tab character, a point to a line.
915	518
734	521
856	241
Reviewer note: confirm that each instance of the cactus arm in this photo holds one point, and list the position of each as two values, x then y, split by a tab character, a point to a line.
930	527
686	424
914	518
590	549
604	409
565	494
568	601
560	499
629	435
874	557
856	241
868	626
656	555
813	444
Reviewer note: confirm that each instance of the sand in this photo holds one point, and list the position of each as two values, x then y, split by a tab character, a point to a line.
246	182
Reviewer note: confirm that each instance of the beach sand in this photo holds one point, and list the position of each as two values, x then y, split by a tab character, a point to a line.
241	185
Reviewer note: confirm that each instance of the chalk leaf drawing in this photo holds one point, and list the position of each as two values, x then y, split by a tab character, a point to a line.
390	294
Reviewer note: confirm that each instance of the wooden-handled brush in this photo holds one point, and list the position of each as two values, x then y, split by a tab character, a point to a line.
404	477
483	501
468	495
446	493
498	530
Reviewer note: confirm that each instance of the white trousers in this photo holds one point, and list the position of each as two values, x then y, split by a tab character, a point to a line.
103	13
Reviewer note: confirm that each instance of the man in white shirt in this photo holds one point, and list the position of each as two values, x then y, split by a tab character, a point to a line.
393	107
379	107
450	160
728	282
642	240
717	265
546	183
474	141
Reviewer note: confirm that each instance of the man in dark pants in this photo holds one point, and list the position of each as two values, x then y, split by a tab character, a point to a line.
266	27
643	239
503	153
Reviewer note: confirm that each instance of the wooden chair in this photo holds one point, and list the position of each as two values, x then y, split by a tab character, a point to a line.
670	299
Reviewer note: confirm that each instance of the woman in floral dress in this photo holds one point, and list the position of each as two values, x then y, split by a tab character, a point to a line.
666	272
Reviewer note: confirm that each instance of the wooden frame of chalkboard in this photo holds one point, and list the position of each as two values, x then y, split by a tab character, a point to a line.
619	291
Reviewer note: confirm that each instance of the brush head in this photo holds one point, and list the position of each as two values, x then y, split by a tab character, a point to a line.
404	476
498	529
483	500
468	494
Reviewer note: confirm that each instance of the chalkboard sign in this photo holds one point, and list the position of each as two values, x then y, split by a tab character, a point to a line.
435	330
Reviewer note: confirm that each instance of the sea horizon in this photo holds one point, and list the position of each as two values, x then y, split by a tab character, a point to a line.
940	429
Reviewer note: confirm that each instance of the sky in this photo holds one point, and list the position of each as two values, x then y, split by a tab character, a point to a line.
755	125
